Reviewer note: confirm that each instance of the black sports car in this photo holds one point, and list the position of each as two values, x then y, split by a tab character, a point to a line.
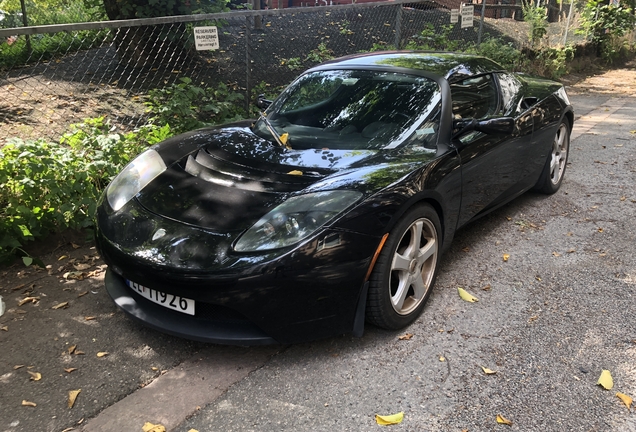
332	208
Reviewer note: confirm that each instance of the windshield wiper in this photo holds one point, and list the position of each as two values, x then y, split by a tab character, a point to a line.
279	140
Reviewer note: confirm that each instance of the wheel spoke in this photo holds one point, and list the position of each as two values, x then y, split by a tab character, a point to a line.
419	287
414	244
427	251
400	262
403	289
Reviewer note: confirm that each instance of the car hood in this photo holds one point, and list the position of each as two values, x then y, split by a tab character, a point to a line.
225	180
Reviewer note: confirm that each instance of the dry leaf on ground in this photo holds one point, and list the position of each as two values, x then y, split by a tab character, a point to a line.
626	400
35	376
72	396
60	305
389	419
466	296
28	300
69	370
502	420
71	349
102	354
488	371
605	380
149	427
406	336
27	403
506	257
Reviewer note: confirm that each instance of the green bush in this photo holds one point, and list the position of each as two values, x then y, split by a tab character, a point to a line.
48	187
185	106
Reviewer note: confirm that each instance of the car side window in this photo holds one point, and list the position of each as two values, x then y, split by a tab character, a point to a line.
510	88
474	97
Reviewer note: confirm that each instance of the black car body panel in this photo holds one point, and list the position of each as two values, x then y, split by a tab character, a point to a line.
178	234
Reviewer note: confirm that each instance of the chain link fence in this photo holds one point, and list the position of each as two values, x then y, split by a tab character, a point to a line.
57	75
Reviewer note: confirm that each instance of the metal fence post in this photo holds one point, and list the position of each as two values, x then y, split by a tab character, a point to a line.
481	22
398	27
25	21
248	66
567	24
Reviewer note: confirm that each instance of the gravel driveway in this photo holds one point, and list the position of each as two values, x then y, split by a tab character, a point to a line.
548	321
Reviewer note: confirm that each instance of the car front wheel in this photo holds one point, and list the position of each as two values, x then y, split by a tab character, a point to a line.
405	271
552	175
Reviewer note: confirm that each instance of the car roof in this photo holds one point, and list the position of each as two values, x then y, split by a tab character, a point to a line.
452	66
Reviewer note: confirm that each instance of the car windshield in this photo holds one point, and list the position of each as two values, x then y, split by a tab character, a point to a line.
351	110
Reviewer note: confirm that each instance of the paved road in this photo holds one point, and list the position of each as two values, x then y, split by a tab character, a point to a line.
558	312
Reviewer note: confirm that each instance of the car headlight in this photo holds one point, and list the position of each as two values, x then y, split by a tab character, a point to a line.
295	219
136	176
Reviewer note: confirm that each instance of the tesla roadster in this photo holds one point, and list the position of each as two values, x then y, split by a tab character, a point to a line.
333	208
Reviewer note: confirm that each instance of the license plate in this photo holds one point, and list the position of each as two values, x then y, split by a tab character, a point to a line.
171	301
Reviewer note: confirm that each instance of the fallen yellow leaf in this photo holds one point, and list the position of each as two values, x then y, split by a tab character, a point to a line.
505	257
149	427
35	376
465	296
193	430
389	419
27	403
442	358
28	300
102	354
72	395
488	371
60	305
502	420
626	400
4	328
69	370
605	380
406	336
17	367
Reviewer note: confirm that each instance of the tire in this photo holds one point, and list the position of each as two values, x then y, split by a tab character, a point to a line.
554	169
405	271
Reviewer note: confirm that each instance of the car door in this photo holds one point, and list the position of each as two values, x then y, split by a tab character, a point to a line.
490	162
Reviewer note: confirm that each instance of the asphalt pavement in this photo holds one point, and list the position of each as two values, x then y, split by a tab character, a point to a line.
550	318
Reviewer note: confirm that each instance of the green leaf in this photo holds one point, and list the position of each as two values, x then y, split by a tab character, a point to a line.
27	260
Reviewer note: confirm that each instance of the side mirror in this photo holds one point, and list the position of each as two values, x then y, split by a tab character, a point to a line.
493	126
263	103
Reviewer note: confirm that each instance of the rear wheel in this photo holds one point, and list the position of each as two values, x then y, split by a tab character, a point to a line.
405	271
554	169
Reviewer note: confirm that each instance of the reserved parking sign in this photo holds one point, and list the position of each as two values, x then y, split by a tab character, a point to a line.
206	38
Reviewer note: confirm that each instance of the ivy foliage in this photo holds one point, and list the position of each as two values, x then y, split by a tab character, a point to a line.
48	187
128	9
606	25
186	106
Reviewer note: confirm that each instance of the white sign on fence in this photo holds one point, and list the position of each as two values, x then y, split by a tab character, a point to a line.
206	38
467	15
454	16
